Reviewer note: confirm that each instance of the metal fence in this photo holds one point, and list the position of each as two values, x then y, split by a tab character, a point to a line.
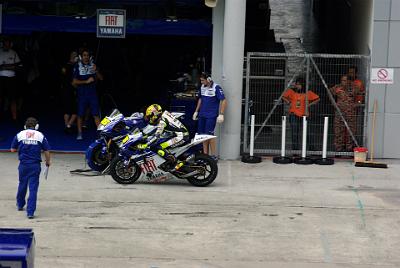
269	76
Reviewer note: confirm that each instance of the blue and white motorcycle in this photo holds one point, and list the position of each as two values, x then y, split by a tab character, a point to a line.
111	130
132	164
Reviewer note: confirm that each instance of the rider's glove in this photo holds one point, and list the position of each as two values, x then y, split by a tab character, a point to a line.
220	119
142	146
194	117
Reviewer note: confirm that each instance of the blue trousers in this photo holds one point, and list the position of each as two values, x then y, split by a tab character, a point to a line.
28	176
296	124
206	125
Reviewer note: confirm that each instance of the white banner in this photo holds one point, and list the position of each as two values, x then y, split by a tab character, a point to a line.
382	76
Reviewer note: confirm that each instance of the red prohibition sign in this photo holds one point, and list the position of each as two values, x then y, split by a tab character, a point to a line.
383	74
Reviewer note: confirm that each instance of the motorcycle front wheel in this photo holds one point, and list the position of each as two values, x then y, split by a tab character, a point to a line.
96	159
124	174
208	170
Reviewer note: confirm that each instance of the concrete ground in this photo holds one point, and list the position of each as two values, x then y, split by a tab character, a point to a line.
262	215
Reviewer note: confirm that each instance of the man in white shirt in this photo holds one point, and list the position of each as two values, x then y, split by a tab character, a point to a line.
9	61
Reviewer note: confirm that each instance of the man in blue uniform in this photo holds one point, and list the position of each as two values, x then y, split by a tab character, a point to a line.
209	110
84	78
29	143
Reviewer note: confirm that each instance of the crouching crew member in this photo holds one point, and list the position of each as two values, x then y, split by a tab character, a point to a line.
29	143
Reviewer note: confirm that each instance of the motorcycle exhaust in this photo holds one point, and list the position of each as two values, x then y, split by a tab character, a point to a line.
190	174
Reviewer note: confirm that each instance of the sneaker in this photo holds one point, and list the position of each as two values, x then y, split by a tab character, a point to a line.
79	137
215	158
30	217
20	209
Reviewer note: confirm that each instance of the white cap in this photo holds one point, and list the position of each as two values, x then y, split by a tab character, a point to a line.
211	3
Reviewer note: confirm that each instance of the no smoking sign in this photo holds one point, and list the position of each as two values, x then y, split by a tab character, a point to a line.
382	76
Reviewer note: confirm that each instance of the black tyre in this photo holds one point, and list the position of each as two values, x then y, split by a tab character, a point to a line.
282	160
325	161
209	169
303	161
251	159
124	174
96	159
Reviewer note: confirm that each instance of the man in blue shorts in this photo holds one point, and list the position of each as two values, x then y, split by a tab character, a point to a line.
29	143
85	75
209	110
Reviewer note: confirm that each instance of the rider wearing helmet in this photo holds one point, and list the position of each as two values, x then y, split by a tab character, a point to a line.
168	124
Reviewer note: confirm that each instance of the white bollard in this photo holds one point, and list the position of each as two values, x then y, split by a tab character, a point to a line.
253	119
325	141
251	158
324	160
283	159
304	143
283	141
304	160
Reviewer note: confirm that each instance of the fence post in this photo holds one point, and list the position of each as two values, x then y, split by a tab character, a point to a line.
246	104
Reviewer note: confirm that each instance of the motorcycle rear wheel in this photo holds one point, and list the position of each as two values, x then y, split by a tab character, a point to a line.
210	170
124	174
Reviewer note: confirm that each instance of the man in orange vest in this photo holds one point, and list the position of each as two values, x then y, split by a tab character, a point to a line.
297	98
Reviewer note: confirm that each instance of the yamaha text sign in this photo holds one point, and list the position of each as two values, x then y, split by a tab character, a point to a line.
111	23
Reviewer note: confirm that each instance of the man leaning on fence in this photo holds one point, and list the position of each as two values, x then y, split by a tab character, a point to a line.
345	101
297	98
357	85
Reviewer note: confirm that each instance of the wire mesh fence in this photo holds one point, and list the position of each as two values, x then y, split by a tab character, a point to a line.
312	85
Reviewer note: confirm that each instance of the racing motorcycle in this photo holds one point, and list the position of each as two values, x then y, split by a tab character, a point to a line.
132	164
111	130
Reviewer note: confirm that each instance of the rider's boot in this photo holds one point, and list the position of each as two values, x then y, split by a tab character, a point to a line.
170	159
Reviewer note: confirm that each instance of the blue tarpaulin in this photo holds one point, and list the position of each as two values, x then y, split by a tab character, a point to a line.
17	248
26	24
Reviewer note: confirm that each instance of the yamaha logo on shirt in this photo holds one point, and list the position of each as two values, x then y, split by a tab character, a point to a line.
207	91
30	142
86	69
